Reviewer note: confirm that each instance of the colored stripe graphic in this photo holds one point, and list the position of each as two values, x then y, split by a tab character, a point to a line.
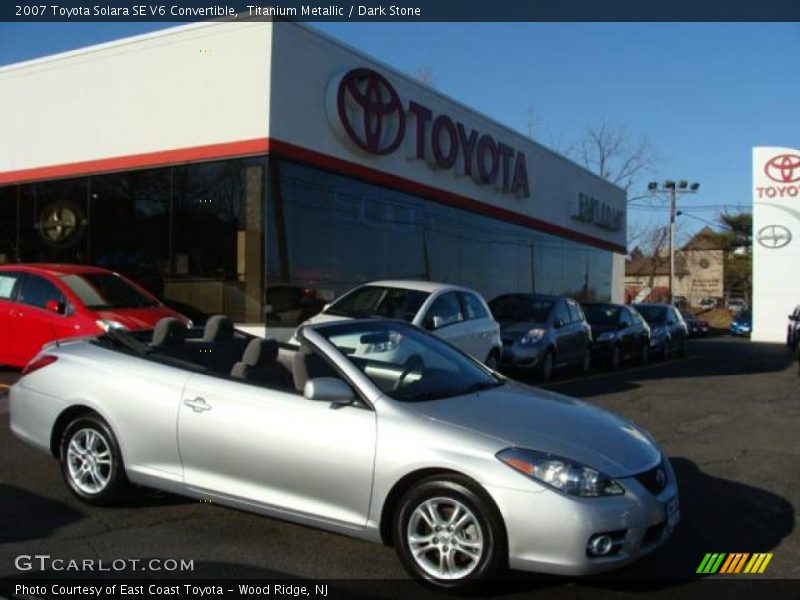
724	563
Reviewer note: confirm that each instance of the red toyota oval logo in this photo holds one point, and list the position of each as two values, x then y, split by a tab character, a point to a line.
370	111
784	168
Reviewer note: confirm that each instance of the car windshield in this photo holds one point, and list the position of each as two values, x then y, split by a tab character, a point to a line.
654	315
521	307
406	363
379	301
103	291
601	314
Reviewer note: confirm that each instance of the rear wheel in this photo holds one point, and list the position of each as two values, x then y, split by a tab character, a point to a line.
448	534
91	462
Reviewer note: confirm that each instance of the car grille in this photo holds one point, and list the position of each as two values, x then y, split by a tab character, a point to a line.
653	534
651	480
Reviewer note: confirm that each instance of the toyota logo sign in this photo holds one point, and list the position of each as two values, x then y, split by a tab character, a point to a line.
784	168
366	111
370	111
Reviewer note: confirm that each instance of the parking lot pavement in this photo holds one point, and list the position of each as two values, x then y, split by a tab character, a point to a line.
727	415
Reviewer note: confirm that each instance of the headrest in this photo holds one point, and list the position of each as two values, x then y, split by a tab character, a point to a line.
260	352
168	330
219	328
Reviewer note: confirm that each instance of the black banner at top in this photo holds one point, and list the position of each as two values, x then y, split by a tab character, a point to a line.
401	10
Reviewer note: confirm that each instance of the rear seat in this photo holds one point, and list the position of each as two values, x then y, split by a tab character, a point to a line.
219	349
260	364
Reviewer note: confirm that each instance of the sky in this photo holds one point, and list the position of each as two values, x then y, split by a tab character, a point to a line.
702	94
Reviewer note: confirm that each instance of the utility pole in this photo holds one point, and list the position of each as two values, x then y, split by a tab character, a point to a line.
669	187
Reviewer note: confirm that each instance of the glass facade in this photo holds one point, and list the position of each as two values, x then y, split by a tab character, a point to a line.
192	234
327	233
268	239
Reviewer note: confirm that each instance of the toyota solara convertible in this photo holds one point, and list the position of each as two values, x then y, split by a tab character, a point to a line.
463	471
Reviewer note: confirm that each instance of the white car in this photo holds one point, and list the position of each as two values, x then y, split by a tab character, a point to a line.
456	314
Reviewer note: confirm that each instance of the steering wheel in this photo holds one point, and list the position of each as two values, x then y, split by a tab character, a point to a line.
413	363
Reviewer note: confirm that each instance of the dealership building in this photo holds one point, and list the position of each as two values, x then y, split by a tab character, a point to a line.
261	169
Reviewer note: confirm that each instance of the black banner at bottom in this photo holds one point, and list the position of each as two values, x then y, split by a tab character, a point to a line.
541	588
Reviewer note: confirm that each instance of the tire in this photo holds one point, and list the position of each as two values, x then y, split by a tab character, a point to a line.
665	350
91	462
644	353
586	360
615	360
493	360
682	348
479	534
546	366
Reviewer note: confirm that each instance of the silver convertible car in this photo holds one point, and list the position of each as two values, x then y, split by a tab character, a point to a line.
463	471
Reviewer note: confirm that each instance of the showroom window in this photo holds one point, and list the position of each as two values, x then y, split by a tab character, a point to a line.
327	233
8	224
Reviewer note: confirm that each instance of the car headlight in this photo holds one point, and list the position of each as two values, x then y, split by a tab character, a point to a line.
106	324
606	336
560	473
533	336
390	344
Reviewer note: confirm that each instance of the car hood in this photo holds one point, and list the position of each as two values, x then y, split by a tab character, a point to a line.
137	318
518	328
525	417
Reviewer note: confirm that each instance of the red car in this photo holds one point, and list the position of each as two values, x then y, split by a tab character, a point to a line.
40	303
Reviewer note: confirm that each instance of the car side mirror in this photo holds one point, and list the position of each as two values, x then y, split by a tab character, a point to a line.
559	323
329	389
54	306
433	322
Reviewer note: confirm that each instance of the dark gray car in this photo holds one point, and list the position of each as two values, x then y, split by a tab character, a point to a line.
542	332
668	330
619	332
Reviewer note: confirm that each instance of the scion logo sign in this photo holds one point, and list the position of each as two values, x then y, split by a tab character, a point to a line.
366	111
61	224
784	170
774	236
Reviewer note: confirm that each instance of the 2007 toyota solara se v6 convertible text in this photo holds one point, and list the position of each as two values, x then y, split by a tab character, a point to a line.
463	471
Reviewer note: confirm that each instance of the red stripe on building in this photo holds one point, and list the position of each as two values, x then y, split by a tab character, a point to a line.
138	161
266	145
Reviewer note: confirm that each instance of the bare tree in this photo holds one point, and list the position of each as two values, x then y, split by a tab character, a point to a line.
425	74
614	154
530	122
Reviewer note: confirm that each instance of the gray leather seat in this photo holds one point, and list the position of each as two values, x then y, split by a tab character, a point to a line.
168	333
219	328
260	364
307	365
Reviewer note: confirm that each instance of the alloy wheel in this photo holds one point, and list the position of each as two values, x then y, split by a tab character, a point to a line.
89	460
445	538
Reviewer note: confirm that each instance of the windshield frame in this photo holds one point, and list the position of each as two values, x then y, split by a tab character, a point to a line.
320	334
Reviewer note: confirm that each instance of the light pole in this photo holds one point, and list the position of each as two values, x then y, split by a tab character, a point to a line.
669	186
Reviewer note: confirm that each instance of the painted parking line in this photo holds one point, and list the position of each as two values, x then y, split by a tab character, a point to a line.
616	373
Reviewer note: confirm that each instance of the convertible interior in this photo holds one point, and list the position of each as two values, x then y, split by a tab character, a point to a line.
220	350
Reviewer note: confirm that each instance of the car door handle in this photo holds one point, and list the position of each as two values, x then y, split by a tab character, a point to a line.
197	405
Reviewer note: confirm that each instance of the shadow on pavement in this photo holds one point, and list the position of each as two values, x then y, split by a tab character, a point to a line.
25	515
709	357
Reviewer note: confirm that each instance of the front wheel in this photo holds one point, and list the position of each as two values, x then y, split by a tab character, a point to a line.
644	353
615	360
448	534
91	462
493	360
546	366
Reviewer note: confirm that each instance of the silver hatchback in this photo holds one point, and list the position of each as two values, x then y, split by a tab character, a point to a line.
462	470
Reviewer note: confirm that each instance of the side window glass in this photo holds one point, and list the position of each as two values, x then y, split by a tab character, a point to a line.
446	310
473	307
37	291
574	312
627	319
561	313
7	283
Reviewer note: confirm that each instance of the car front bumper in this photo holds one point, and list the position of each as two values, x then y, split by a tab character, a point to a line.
548	532
523	356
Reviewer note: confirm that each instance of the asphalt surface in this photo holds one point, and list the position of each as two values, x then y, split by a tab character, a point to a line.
728	415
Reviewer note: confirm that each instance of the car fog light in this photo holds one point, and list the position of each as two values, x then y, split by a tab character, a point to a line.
600	545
